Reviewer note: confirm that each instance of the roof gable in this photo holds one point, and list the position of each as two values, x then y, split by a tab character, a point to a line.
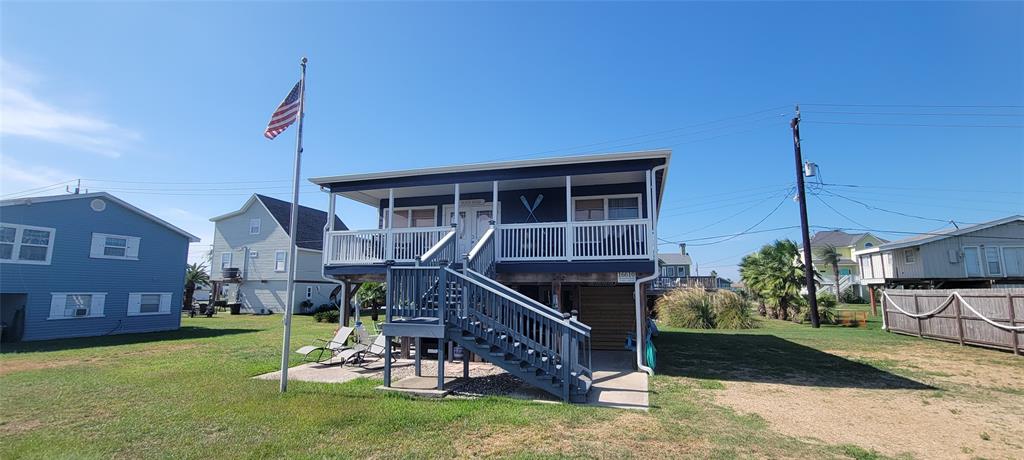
81	196
311	220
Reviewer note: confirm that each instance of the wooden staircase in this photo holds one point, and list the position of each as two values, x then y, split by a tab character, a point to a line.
543	347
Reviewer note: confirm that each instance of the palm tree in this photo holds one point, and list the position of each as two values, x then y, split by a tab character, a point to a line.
371	295
830	255
195	276
775	275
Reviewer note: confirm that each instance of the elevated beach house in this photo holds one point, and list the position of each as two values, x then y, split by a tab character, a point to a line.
529	264
88	264
985	255
250	256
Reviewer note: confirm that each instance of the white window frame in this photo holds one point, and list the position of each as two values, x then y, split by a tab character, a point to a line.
93	311
284	261
131	247
605	198
981	261
408	218
1002	256
259	225
230	261
999	260
909	256
16	244
135	303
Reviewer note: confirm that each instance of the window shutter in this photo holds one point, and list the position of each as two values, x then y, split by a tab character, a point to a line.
165	302
57	305
132	252
98	301
134	303
96	249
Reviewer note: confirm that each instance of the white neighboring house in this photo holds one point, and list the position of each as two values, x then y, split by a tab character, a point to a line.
254	240
981	256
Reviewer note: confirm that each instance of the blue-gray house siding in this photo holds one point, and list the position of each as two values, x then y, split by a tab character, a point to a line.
159	268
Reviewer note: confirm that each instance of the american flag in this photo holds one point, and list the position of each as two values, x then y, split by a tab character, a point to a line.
285	114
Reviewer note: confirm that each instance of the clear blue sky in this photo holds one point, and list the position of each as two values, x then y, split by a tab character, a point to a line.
163	94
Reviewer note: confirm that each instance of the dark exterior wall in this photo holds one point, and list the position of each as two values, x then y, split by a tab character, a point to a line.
551	209
161	268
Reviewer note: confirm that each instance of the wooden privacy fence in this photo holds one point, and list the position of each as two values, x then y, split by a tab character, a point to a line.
986	317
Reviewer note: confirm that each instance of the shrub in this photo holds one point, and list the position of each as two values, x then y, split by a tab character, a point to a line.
327	316
689	308
732	311
827	300
826	309
850	296
697	309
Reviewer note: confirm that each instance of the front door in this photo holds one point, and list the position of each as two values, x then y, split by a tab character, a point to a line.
474	220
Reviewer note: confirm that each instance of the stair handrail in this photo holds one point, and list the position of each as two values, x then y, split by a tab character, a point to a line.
519	298
434	255
484	247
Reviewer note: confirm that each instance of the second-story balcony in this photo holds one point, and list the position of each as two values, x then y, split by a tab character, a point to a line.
548	241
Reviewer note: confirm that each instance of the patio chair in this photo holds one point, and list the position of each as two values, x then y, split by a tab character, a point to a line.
334	347
377	346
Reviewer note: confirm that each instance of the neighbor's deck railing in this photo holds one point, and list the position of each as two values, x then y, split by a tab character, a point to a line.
376	246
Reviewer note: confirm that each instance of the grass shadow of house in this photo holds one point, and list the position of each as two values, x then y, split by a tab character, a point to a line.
765	358
183	333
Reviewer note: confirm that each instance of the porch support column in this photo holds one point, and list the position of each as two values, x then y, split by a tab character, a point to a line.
326	256
455	215
494	220
652	238
389	251
419	356
568	218
441	344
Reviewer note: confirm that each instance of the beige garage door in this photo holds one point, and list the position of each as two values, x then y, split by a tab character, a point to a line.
609	313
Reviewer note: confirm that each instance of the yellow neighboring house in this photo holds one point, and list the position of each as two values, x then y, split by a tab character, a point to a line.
846	243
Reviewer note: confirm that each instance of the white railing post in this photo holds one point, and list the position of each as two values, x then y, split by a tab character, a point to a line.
652	232
389	243
568	218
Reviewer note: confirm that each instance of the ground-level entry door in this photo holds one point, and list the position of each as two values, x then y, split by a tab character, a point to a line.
609	311
474	220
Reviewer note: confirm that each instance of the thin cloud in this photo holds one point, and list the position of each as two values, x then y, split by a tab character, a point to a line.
25	115
39	180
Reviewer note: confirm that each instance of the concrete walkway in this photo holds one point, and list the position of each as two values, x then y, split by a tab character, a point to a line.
616	384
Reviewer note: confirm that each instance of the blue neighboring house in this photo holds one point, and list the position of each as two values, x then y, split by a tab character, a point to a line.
86	265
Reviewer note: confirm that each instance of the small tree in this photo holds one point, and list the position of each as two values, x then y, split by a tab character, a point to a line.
372	296
775	274
195	277
830	255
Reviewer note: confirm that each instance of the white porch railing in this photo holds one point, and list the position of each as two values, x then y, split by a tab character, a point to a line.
605	240
544	241
375	246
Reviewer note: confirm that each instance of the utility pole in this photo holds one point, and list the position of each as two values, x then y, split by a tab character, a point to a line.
804	228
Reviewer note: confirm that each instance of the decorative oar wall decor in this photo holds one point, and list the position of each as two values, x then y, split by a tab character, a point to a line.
531	209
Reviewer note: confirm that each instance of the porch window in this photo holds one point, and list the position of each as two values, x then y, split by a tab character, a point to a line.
670	271
412	218
606	208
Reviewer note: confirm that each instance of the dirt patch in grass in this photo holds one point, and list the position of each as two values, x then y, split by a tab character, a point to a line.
31	363
627	434
10	428
974	410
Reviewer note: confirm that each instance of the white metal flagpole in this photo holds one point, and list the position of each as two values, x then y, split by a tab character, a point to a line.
293	233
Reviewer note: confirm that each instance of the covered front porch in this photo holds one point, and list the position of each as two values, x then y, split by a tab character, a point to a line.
561	216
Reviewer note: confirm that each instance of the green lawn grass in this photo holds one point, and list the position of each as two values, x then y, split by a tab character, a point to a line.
189	393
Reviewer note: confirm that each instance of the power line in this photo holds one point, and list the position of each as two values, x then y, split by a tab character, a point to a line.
822	200
915	114
919	125
752	232
922	106
39	189
749	229
654	133
924	188
868	206
788	191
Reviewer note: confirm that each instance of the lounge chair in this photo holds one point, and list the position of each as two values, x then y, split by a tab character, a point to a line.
377	346
331	348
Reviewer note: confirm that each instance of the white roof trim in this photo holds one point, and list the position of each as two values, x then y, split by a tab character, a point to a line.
962	231
240	211
664	153
44	199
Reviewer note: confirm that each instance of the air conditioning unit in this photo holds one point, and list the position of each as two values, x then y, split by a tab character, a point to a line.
81	312
254	254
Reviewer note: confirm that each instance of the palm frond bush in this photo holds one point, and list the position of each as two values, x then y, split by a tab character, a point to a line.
689	308
732	311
